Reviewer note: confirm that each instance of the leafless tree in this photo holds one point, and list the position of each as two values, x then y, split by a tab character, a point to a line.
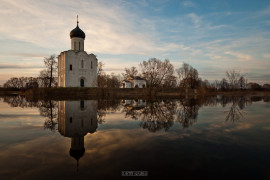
188	77
233	77
100	68
44	77
50	71
224	84
156	72
130	72
242	83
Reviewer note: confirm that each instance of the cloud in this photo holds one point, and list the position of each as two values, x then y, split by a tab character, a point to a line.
195	19
240	56
34	29
188	4
19	66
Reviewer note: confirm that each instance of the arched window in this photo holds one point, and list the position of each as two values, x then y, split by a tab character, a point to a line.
79	46
70	120
82	64
91	65
82	105
74	45
82	82
70	67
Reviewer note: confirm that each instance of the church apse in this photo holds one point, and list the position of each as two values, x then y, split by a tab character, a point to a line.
75	120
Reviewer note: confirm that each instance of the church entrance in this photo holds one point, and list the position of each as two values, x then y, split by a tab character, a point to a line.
82	83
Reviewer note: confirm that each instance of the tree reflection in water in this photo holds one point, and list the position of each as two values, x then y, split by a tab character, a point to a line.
236	112
159	115
187	112
154	115
49	110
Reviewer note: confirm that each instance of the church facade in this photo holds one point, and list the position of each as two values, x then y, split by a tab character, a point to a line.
77	68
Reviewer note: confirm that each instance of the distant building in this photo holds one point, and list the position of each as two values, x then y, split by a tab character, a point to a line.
76	68
134	103
134	82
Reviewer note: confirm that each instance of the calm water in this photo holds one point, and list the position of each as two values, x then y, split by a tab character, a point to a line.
214	138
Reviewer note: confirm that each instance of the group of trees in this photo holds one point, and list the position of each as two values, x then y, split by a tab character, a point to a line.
158	74
107	80
46	78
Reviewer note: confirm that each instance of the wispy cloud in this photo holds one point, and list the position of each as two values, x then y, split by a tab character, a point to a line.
239	56
195	19
19	66
188	4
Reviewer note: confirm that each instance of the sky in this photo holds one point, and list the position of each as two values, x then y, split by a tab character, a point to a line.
212	36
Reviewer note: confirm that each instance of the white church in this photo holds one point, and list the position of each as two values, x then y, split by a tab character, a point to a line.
76	68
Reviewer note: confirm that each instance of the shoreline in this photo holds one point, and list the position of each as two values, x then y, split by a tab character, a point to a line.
138	93
119	93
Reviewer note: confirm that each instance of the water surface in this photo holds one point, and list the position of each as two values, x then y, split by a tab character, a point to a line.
212	138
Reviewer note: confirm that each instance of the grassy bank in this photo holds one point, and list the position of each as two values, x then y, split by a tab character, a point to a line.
99	93
9	91
119	93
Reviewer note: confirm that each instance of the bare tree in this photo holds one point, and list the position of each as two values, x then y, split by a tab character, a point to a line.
224	84
233	77
188	76
100	68
130	72
242	83
44	77
156	71
51	70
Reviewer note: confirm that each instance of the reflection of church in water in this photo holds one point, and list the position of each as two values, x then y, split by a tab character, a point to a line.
75	120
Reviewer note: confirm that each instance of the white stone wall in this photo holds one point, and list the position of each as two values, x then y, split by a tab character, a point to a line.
77	44
127	84
75	120
71	78
139	83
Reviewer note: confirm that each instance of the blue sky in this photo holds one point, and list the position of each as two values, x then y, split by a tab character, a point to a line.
212	36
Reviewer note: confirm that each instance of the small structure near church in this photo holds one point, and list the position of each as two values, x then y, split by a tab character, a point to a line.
134	82
76	68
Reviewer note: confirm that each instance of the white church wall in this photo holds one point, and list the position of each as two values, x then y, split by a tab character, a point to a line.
87	72
77	44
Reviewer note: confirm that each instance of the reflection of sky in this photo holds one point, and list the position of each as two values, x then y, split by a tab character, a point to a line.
211	147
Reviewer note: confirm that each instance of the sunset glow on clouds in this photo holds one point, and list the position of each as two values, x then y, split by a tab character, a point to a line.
212	36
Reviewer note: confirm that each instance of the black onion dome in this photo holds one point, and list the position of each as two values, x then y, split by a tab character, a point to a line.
76	154
77	32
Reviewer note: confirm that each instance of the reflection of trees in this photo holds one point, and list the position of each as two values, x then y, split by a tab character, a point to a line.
235	112
105	106
19	101
187	112
158	115
154	116
48	109
162	114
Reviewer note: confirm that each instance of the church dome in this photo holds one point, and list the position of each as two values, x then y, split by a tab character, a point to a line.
77	32
76	154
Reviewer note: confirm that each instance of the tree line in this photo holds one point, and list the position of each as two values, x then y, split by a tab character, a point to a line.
47	77
157	73
162	74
